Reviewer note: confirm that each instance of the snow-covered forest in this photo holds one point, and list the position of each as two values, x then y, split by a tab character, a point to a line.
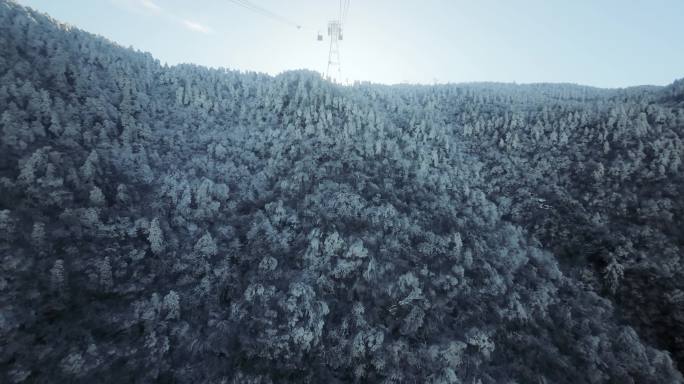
180	224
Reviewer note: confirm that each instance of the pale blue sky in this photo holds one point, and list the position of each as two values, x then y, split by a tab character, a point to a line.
606	43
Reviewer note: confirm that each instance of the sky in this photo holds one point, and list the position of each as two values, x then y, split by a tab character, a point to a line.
603	43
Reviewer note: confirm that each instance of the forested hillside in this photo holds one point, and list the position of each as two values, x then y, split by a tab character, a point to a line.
190	225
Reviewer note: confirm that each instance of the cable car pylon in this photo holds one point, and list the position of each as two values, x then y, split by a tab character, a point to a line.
334	64
335	34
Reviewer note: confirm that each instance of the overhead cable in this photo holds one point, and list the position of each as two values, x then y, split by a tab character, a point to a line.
265	12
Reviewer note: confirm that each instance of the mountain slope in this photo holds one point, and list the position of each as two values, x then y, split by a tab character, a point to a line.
183	224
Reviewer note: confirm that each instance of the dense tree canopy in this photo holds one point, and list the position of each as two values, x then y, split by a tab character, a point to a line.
185	224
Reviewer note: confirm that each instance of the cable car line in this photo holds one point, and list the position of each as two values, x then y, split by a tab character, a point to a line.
265	12
343	16
334	30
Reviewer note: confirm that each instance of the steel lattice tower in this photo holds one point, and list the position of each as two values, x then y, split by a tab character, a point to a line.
335	33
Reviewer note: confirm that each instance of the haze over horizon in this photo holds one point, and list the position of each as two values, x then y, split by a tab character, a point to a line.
611	44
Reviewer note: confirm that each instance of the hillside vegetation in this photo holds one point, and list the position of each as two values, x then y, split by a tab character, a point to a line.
181	224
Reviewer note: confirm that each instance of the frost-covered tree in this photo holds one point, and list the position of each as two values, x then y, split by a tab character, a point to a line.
97	198
206	246
155	237
172	305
